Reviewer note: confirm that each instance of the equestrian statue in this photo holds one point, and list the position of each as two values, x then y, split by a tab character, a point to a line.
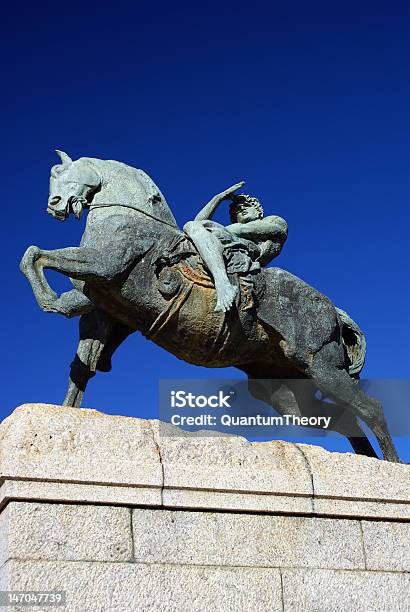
203	294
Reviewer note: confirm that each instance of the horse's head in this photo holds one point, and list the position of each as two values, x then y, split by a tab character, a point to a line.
72	185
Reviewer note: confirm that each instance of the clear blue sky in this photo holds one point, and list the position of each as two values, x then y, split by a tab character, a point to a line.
306	101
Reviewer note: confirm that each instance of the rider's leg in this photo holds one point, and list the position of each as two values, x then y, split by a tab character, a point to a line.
211	251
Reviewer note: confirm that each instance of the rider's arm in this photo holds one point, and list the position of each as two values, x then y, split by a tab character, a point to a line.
208	210
269	228
269	250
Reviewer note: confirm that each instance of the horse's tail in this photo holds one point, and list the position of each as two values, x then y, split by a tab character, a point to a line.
354	341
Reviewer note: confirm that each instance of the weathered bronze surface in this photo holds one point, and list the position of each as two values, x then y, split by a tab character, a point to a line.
202	294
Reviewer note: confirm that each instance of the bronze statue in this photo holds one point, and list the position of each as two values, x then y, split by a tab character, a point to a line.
135	270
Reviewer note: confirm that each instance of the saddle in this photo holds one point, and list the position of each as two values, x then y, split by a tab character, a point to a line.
180	255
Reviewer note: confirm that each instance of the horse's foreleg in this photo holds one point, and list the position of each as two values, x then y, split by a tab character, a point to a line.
100	336
71	303
41	289
95	331
82	369
76	262
82	263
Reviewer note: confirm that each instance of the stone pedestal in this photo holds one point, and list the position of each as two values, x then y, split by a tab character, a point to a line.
124	518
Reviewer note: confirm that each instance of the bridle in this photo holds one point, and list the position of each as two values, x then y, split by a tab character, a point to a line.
144	212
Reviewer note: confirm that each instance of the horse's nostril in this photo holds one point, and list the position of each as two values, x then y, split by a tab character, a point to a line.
54	200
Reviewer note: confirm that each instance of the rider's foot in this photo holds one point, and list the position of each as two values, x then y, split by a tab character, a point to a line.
226	294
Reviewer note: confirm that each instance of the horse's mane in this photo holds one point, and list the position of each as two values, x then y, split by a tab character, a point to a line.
123	184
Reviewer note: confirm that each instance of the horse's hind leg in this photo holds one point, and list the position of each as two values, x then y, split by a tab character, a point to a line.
336	384
292	397
342	420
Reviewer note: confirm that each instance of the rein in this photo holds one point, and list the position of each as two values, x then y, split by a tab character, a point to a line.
144	212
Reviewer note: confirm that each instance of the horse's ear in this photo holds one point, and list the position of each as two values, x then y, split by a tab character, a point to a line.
66	159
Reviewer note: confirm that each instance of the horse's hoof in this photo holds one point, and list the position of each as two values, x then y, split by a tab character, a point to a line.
49	306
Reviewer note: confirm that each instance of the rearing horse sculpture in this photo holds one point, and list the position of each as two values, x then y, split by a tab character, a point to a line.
135	270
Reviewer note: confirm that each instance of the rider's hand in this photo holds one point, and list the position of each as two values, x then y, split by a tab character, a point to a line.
226	195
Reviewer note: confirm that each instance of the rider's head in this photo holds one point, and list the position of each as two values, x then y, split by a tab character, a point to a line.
245	208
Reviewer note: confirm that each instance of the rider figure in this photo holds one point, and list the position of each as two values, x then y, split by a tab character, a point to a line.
249	242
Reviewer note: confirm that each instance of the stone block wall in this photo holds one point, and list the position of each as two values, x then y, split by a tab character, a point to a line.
122	518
